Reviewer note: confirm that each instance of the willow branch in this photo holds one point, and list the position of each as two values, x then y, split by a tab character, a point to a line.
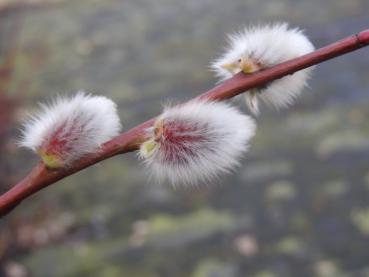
41	177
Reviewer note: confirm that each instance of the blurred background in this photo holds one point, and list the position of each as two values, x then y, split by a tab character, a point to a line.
298	206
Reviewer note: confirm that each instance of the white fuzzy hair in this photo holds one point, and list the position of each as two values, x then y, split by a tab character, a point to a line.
224	135
269	45
83	121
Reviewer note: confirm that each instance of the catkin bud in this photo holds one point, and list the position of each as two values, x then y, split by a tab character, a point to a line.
258	48
71	127
196	142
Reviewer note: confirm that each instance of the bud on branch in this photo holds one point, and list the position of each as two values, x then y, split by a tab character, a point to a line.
196	142
261	47
70	128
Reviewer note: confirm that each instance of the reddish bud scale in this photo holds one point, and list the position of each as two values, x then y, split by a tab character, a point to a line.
55	144
176	138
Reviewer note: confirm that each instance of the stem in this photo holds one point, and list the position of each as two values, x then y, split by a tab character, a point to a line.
41	177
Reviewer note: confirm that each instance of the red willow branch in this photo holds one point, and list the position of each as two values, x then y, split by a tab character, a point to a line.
41	177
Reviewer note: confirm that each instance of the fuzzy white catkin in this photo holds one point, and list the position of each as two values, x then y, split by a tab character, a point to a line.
201	140
268	45
80	123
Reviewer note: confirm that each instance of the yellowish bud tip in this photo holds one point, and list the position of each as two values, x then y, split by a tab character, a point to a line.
51	161
229	67
248	66
147	148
